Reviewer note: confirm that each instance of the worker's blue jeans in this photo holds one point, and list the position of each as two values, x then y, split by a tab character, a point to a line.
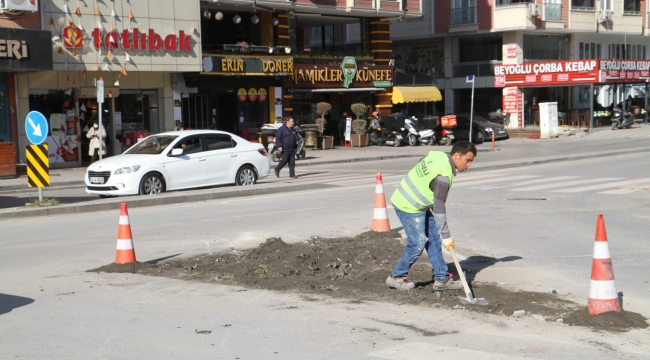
422	233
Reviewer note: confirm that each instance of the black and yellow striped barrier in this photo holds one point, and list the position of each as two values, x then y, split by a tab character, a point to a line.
38	166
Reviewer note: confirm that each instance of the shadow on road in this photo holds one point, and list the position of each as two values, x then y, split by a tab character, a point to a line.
10	302
13	201
155	261
472	266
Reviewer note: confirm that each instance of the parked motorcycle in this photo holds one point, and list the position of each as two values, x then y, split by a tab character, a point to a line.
622	120
409	132
270	130
394	131
443	136
426	131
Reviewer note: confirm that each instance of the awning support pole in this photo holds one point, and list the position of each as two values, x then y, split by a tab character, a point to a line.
591	107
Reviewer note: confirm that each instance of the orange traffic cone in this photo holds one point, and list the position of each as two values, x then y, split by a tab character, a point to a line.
125	253
380	218
602	292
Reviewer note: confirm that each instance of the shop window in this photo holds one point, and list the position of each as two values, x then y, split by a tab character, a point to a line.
219	142
632	7
475	49
582	4
323	34
589	51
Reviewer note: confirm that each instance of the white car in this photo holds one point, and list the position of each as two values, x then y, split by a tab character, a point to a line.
179	160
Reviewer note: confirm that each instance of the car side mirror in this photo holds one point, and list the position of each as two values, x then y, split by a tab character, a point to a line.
177	152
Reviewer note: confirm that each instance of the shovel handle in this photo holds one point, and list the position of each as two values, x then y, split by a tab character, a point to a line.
468	292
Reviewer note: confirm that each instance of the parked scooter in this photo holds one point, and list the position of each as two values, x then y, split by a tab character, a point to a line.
443	136
270	130
622	120
409	132
393	132
426	131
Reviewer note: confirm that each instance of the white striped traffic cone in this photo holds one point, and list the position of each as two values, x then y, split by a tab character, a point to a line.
602	292
125	253
380	217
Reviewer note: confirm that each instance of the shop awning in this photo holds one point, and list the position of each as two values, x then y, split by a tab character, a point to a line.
409	94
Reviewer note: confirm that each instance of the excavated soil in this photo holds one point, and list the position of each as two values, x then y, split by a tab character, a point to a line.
356	269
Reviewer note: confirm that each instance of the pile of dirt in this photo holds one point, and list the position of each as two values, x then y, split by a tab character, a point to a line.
356	268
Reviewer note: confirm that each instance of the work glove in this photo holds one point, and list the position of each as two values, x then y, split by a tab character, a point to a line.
448	243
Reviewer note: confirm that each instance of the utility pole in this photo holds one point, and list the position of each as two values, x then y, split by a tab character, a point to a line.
100	101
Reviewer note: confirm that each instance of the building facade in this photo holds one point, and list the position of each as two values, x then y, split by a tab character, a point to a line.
458	38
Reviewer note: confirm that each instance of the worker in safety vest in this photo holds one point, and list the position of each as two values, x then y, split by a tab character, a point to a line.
425	188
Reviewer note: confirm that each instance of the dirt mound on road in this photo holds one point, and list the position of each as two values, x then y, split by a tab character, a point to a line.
356	268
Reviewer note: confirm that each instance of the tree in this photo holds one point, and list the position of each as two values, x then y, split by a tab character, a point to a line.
359	109
322	108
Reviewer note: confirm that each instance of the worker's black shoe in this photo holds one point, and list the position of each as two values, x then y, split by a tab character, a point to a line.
399	283
450	284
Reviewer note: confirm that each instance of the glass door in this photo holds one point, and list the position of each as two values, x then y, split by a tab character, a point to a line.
4	114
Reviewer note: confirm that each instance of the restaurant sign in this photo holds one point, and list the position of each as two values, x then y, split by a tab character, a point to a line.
25	49
571	72
324	76
239	65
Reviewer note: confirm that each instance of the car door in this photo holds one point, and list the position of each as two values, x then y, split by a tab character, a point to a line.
221	158
461	132
189	169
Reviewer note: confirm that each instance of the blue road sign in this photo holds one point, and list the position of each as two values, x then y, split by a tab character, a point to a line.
36	127
469	79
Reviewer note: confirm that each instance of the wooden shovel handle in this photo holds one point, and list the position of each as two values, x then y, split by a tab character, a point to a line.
468	292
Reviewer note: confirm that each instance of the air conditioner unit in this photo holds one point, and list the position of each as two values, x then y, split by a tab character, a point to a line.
606	15
20	5
535	9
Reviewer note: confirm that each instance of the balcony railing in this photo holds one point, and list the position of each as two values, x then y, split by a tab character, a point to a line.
462	16
552	12
504	3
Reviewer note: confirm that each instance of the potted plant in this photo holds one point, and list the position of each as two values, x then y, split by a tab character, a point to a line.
360	136
324	142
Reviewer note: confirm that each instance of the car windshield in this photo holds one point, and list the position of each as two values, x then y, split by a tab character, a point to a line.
152	145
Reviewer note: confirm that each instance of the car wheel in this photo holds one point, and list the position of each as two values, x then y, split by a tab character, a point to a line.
246	176
413	140
152	184
479	138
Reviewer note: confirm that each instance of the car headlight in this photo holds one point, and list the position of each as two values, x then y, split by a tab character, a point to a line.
127	170
488	129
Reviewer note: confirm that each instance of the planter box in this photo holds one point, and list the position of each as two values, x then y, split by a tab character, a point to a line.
357	140
325	142
7	160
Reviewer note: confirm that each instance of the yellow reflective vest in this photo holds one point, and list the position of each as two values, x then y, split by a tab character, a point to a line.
413	194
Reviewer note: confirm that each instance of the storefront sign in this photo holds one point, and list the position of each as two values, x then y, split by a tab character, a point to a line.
242	95
513	103
237	65
321	76
252	95
137	40
262	95
625	70
349	68
511	50
25	49
547	73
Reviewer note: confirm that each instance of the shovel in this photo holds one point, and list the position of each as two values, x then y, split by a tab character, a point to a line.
470	298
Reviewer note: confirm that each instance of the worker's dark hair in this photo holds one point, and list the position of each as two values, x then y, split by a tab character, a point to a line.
463	147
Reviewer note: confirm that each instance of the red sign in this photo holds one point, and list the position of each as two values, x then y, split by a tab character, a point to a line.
547	73
625	70
72	37
252	95
261	95
242	95
141	41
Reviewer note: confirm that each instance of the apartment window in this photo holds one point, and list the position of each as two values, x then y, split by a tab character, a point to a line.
546	47
477	49
589	51
463	12
501	3
553	10
582	4
632	7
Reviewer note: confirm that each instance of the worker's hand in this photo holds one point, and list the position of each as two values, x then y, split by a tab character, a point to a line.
448	243
280	148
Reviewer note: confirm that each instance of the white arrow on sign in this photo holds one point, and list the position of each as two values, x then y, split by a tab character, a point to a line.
37	128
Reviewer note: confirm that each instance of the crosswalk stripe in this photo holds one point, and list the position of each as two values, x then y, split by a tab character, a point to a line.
504	179
564	184
558	178
618	191
481	174
603	186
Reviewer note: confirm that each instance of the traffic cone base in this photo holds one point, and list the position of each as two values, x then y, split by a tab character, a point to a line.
124	253
380	216
603	296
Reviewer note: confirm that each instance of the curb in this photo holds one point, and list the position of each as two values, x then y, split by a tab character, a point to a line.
147	201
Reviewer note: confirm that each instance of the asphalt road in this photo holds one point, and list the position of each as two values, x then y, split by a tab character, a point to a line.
51	308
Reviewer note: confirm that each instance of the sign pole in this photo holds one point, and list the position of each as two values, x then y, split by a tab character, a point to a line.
470	78
100	101
591	107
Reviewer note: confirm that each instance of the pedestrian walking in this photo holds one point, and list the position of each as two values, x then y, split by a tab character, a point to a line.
423	189
94	147
285	138
342	125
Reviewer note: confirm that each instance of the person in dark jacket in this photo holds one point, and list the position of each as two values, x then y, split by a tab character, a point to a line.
285	139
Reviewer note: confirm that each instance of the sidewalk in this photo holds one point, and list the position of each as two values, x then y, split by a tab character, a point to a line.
511	153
